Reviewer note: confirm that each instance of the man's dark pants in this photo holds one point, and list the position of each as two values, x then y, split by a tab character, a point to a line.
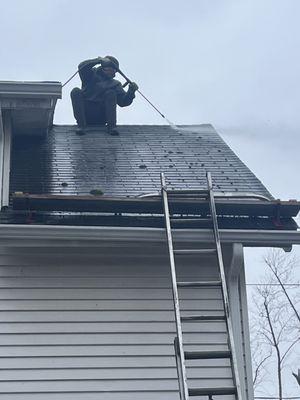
88	112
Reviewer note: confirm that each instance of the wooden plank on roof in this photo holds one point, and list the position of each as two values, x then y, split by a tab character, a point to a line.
233	207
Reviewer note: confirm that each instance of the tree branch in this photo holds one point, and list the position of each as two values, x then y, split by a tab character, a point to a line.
289	348
258	367
269	264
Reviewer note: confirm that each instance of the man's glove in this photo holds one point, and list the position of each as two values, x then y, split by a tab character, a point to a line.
133	87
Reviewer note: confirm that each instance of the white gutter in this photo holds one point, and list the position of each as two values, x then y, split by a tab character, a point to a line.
89	236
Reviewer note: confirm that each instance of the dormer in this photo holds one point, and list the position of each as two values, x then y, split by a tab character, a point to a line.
26	109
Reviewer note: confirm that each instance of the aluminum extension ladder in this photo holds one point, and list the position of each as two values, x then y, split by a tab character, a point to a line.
181	355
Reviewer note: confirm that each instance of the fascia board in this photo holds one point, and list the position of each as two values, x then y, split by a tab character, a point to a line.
30	89
50	235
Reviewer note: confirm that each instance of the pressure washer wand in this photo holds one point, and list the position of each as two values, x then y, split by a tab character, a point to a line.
151	104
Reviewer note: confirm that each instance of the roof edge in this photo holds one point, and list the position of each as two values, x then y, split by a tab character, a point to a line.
74	236
30	89
29	105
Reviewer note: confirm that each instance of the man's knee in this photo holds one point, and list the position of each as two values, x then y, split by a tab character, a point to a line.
76	93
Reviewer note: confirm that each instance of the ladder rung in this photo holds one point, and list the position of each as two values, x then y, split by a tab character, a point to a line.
190	221
212	391
187	191
194	251
198	219
205	355
199	284
204	318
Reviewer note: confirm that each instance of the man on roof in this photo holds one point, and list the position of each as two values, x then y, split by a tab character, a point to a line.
96	102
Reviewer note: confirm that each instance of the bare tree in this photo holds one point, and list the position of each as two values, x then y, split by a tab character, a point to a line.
260	359
282	267
275	320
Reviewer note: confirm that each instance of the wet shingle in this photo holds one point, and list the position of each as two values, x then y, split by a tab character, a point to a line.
65	163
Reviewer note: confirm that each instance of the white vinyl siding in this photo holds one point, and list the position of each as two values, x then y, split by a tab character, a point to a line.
98	324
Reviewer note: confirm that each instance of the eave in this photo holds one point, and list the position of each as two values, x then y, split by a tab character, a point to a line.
58	236
30	105
26	109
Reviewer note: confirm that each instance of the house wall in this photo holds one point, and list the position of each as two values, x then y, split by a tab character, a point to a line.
88	323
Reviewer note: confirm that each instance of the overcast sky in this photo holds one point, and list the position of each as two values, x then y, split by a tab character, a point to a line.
232	63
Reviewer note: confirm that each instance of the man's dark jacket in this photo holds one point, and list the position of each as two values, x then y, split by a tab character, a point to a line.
95	84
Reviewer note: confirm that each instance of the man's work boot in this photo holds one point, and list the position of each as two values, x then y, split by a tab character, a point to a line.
112	130
80	131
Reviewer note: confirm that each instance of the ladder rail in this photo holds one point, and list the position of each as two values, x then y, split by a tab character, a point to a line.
180	354
183	386
224	285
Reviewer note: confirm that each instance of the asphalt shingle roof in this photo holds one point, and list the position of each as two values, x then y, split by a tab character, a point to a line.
129	164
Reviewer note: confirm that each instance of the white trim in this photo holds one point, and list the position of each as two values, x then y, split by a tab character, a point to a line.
235	310
1	154
5	150
32	104
52	235
27	104
236	261
246	332
6	160
239	310
30	89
